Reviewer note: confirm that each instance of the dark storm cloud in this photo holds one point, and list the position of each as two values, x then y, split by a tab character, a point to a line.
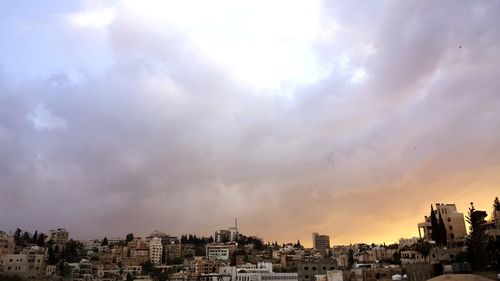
165	139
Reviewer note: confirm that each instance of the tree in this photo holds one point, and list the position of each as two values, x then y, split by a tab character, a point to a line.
11	278
129	277
129	237
350	258
442	231
396	258
26	238
147	267
424	248
477	240
435	231
52	257
104	241
34	240
17	236
496	204
73	251
40	241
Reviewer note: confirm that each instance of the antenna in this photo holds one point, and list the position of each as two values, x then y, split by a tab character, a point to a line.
236	223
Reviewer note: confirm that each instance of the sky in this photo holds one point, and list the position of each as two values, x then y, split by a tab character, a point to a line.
294	116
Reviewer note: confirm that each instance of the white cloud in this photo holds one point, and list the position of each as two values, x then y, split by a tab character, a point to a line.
264	44
97	18
43	120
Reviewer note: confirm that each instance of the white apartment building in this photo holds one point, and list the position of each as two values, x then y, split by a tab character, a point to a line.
155	250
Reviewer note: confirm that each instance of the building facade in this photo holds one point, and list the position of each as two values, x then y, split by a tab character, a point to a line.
307	270
321	242
27	265
155	250
220	252
59	237
453	220
7	244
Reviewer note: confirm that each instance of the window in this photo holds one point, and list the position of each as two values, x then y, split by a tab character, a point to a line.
324	267
306	267
314	268
449	219
451	227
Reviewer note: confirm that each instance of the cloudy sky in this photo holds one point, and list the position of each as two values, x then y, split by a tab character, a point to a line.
295	116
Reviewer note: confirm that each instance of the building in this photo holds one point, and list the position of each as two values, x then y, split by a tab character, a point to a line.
222	236
28	265
436	255
380	254
321	242
7	244
59	237
493	226
406	242
259	272
155	250
202	265
229	235
342	261
220	252
453	221
307	270
173	251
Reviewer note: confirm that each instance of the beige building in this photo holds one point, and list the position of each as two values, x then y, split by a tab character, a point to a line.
220	252
155	250
201	265
26	265
173	250
59	236
406	242
378	254
7	245
436	255
453	221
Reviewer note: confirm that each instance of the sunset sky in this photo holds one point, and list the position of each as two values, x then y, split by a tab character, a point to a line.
340	117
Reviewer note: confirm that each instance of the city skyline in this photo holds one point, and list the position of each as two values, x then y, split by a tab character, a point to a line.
293	116
305	242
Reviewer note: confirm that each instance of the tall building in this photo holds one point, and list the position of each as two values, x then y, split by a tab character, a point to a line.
453	221
155	250
59	237
320	242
